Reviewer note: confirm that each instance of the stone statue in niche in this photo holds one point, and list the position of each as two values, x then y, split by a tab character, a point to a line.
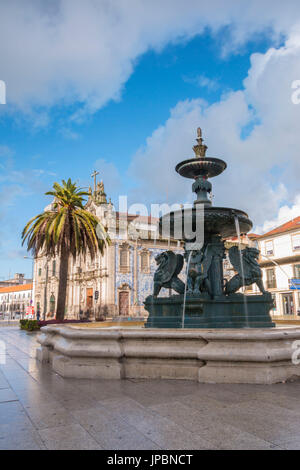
251	270
169	266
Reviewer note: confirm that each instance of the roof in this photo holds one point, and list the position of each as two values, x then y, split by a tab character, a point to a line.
19	288
293	224
252	235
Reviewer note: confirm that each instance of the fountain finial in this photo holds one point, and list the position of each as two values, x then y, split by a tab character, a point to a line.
201	148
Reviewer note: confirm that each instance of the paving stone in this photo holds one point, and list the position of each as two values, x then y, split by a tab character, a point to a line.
72	437
218	433
6	395
39	409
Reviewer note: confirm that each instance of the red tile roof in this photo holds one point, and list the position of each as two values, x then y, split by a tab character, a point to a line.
18	288
287	227
252	235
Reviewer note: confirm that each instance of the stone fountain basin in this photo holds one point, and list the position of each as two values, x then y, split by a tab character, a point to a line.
217	221
207	167
254	356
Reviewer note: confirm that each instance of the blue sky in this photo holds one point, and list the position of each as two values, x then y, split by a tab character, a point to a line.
196	78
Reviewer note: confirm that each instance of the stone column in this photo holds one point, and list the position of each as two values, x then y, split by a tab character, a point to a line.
215	273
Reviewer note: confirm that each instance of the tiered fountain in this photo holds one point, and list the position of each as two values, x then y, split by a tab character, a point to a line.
207	331
207	300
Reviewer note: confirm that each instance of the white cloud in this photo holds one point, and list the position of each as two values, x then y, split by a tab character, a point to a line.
285	214
203	81
263	168
110	175
70	51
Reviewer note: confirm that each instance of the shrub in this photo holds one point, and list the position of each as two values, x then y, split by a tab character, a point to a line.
29	325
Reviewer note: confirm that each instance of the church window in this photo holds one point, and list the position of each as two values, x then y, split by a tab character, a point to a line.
124	259
144	261
52	304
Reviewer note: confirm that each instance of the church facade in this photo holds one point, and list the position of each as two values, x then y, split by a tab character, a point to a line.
115	283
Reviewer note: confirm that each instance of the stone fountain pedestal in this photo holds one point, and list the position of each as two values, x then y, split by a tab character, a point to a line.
231	311
253	356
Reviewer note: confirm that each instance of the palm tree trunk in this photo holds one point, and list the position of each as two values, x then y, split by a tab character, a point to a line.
62	288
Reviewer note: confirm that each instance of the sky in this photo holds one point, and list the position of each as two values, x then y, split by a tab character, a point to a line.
121	87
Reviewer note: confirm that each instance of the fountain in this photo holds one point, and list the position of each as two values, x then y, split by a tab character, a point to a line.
207	301
208	331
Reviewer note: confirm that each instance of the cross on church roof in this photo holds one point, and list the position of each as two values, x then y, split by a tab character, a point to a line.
94	175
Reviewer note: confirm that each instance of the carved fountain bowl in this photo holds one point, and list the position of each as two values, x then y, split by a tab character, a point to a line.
206	167
182	224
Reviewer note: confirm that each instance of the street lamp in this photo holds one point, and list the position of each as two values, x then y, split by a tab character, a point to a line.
32	277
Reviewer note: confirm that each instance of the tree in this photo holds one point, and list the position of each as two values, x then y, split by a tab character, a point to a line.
67	229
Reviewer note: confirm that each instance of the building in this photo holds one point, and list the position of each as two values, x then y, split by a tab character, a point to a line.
113	284
18	279
280	262
14	300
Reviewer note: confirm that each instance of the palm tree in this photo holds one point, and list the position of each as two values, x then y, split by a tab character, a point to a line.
67	229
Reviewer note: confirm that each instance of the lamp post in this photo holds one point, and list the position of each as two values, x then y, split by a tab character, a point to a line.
45	292
32	277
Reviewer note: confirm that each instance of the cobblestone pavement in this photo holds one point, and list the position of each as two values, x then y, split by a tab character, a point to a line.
41	410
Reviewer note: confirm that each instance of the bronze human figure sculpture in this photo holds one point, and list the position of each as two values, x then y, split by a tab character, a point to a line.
197	278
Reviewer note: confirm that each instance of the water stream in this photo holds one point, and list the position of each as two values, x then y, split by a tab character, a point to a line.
185	288
238	232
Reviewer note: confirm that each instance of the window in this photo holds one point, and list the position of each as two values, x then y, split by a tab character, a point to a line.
288	304
144	261
40	271
124	259
297	271
296	242
298	310
271	279
269	248
52	304
53	268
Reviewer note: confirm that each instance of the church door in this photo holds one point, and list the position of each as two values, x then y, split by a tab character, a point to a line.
89	299
124	303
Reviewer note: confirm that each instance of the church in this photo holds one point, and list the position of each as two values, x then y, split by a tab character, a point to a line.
113	284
